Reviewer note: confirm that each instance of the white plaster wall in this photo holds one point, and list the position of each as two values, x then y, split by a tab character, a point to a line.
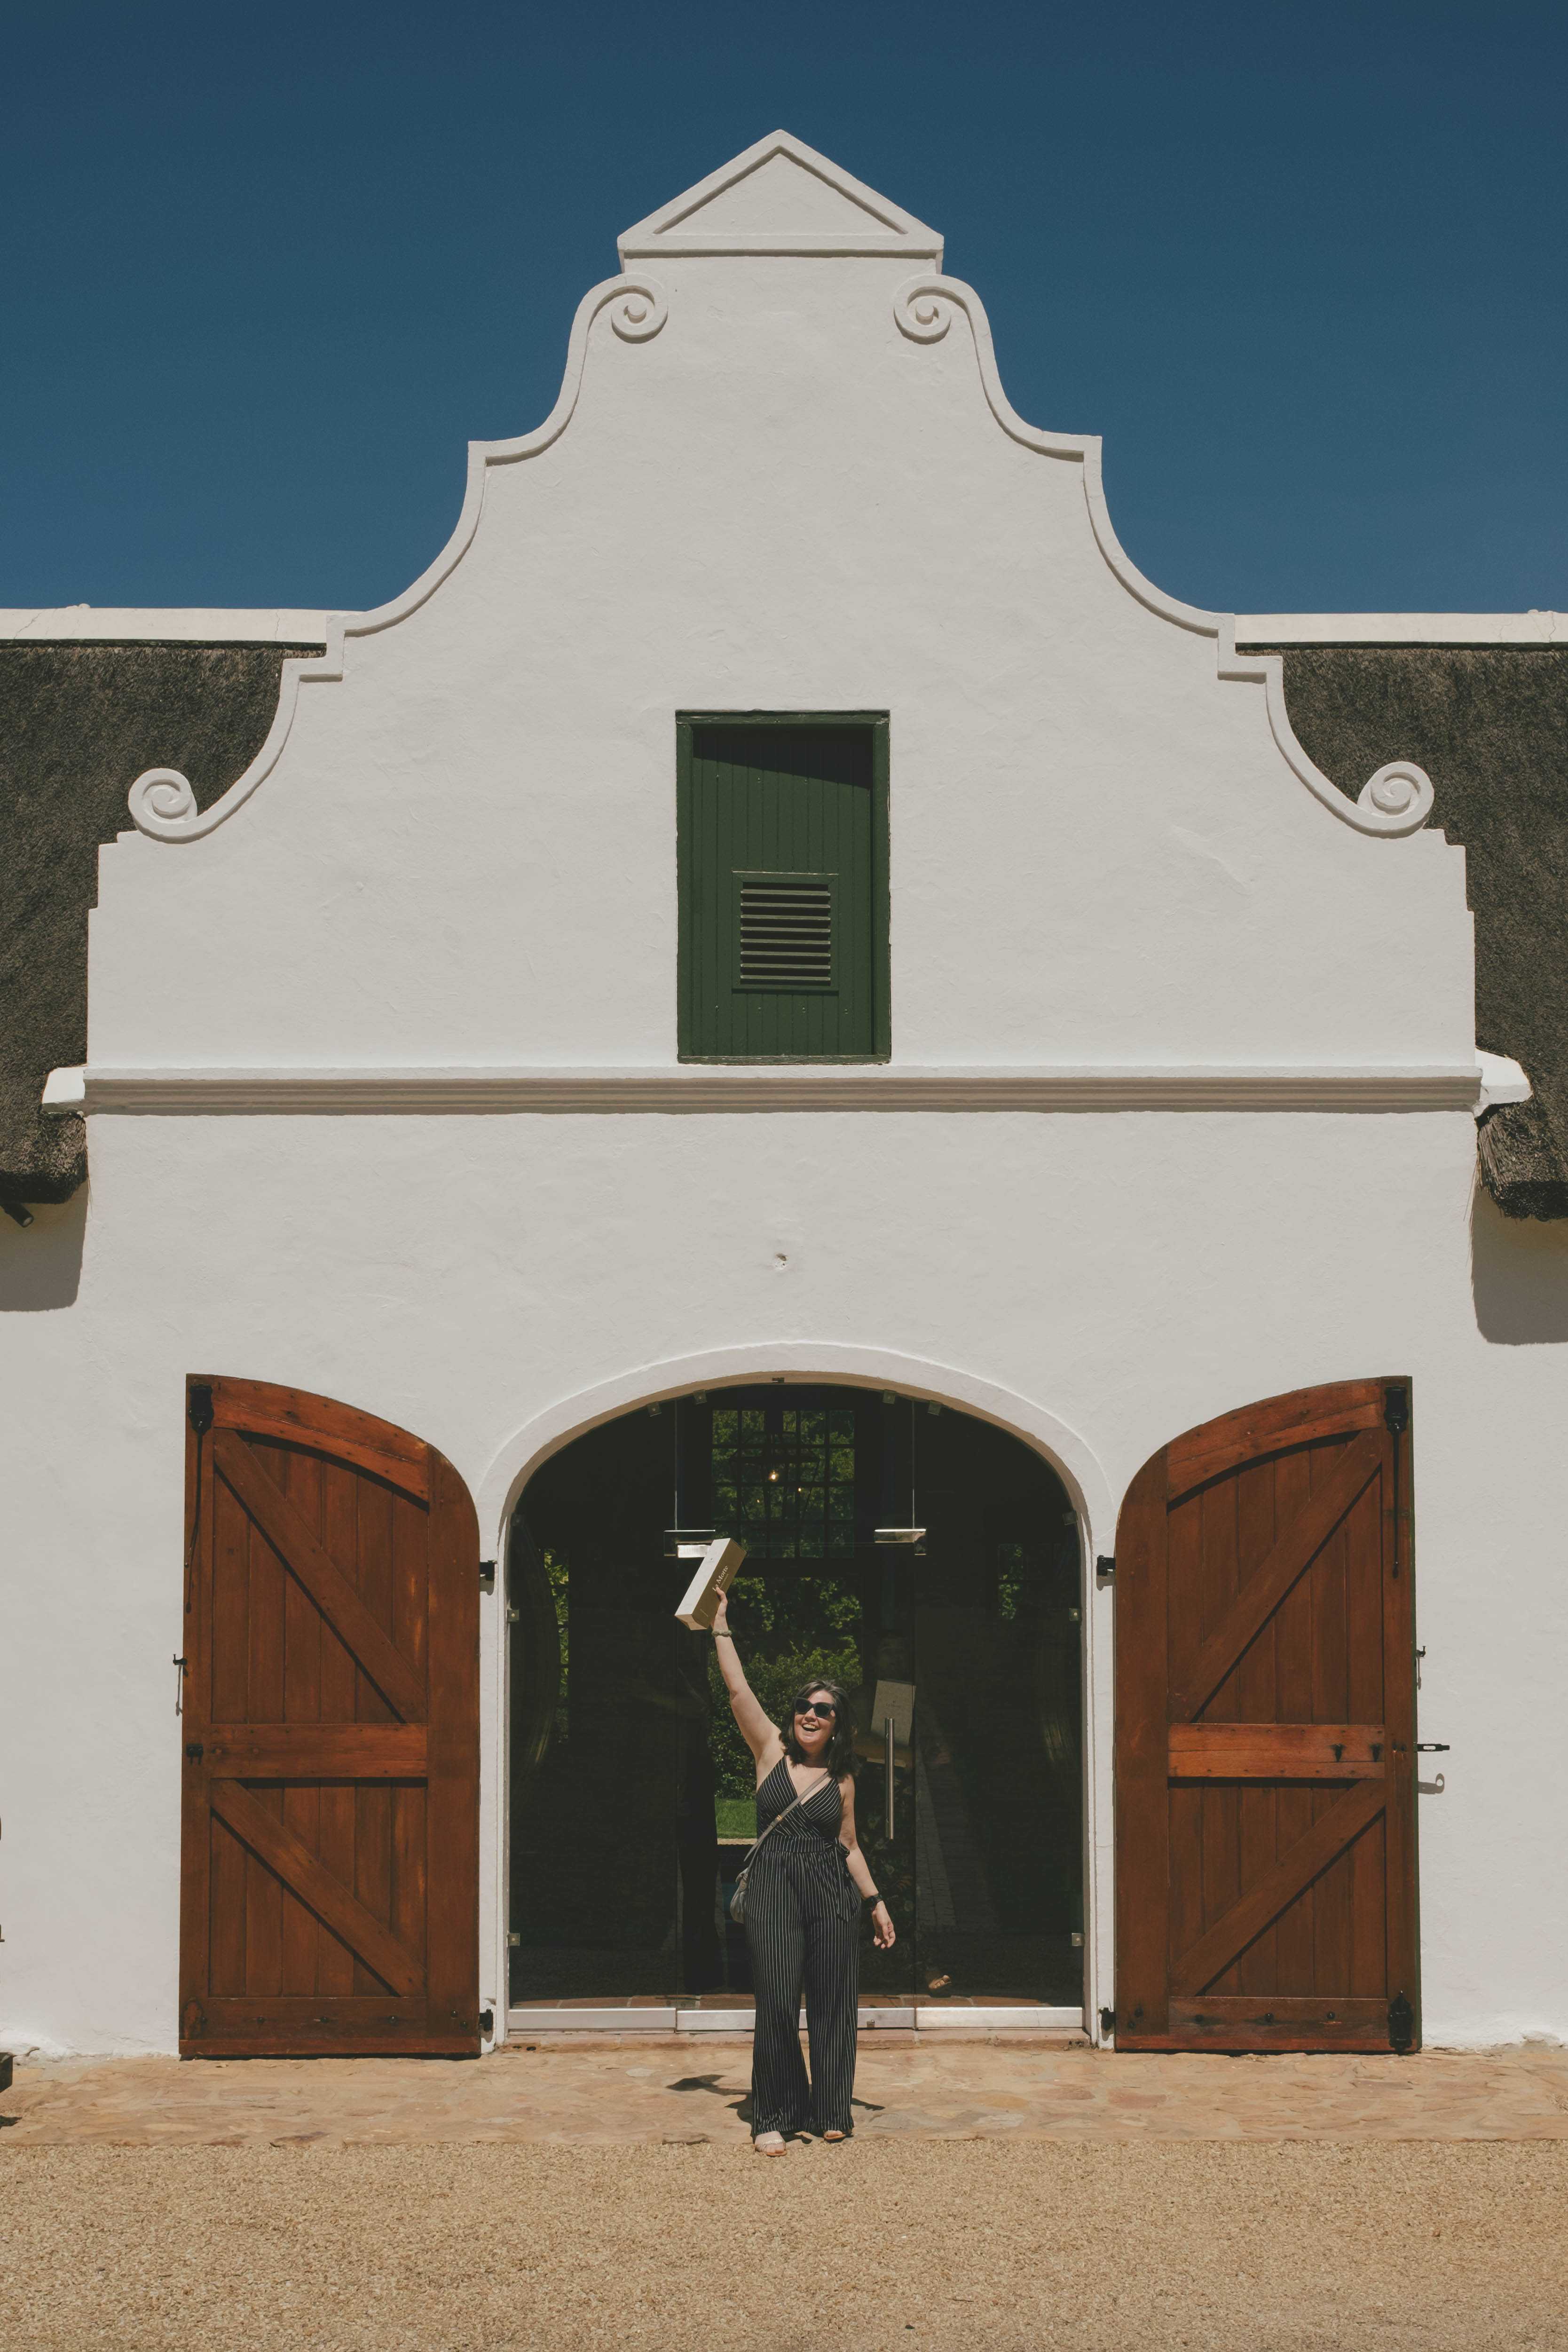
1124	1275
467	850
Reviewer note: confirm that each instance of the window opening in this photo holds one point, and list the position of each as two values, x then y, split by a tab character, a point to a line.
784	1480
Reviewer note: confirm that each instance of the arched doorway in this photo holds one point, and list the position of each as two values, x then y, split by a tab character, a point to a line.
630	1802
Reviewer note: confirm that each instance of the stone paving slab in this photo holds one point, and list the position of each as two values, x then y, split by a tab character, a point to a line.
598	2090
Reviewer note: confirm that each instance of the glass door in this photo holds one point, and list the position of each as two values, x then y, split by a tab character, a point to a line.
999	1795
612	1853
797	1475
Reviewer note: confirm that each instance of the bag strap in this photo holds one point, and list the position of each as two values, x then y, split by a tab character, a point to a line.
802	1800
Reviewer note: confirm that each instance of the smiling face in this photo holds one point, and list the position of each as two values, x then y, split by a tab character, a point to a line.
815	1722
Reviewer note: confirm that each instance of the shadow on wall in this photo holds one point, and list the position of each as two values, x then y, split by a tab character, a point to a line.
1518	1276
40	1268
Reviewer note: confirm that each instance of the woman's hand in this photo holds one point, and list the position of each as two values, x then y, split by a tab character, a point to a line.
721	1614
883	1934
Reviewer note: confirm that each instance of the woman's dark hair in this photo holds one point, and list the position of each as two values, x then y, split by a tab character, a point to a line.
838	1756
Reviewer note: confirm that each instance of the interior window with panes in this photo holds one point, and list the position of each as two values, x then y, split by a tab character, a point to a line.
784	1480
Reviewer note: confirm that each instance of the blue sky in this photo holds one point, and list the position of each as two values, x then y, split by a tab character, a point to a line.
1304	267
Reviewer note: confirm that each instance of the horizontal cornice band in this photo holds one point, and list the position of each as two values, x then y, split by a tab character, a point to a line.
697	1087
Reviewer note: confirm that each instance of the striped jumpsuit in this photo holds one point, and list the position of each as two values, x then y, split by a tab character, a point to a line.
803	1929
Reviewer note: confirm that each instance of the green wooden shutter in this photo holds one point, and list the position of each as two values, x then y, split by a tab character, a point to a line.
783	829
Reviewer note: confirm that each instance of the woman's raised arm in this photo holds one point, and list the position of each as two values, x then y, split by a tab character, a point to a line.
759	1735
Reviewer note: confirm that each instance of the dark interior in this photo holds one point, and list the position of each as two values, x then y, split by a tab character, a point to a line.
632	1790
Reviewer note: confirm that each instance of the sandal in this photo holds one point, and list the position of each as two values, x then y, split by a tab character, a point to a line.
769	2144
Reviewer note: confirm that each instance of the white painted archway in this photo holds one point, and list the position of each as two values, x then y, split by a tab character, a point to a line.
800	1362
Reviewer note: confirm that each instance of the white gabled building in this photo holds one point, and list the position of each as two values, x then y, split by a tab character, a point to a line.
783	988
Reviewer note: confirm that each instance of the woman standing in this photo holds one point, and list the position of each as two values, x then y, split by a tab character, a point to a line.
803	1896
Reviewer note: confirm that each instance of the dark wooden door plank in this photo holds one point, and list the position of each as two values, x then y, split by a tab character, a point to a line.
1277	2021
287	1532
1301	1417
1260	1595
335	1967
327	1427
297	1868
1143	1827
316	1752
1402	1952
1277	1751
195	1702
453	1786
1329	1836
316	2026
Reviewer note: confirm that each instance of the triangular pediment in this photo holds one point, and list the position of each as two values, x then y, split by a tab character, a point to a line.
781	196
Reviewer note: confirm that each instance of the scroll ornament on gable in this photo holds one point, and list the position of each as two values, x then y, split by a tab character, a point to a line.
163	801
1396	800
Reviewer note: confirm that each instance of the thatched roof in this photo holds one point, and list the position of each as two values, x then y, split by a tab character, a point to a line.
79	720
79	723
1489	725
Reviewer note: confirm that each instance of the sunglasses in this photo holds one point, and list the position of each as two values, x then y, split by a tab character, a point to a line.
825	1710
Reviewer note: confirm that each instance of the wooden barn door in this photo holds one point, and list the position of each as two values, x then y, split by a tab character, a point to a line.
330	1862
1265	1729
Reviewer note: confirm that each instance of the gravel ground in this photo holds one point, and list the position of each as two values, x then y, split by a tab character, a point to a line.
1273	2248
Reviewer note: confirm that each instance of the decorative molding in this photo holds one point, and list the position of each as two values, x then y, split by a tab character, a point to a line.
1402	782
64	1093
119	625
1532	628
811	1361
1400	789
161	802
1503	1080
1396	800
867	221
707	1089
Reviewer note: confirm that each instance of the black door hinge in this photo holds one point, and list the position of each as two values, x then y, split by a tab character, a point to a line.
1397	1410
1107	2022
1105	1569
487	2024
1401	2024
199	1405
486	1576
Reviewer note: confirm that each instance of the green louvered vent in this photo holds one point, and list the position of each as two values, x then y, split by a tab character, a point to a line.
782	856
786	933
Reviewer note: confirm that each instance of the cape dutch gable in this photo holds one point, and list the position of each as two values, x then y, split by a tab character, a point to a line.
743	342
